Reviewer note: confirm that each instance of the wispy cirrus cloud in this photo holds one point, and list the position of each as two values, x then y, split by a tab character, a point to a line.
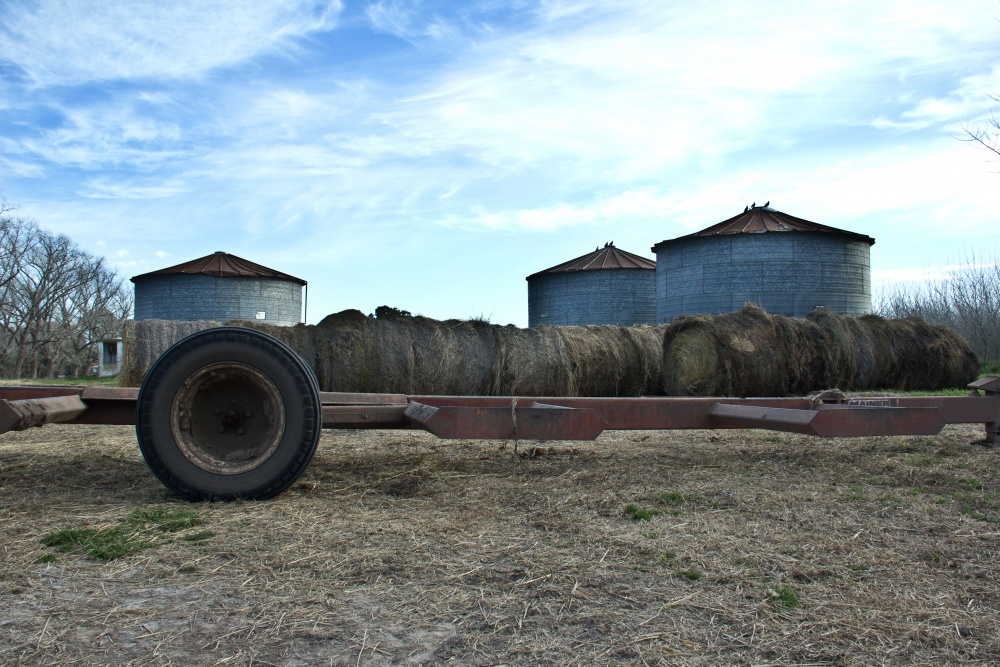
62	42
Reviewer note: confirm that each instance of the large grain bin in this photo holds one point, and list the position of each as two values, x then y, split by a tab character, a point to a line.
786	265
219	287
607	286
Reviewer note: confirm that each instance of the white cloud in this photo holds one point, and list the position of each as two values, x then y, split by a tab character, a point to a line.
67	42
104	188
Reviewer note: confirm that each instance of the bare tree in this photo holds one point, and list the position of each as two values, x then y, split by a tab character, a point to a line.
986	135
56	301
17	237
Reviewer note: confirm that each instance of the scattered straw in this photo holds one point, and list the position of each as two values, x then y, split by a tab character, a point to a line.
397	548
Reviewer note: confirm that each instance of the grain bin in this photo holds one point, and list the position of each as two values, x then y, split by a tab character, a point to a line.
786	265
607	286
219	287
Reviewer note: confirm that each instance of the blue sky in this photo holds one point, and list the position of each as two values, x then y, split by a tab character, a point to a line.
430	155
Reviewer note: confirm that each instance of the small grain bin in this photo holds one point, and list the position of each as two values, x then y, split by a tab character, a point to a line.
607	286
219	287
786	265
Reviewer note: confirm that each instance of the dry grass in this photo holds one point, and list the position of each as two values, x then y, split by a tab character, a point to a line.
397	548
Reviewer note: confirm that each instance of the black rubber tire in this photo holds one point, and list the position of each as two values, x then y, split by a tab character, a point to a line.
289	388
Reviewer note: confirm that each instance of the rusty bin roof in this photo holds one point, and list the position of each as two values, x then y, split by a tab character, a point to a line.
763	219
222	264
606	258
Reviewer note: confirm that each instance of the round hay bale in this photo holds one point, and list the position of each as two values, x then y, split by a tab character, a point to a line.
648	343
530	362
912	355
300	337
410	355
607	360
143	341
845	353
744	353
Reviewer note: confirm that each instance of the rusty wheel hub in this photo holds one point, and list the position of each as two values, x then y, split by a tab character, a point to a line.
227	418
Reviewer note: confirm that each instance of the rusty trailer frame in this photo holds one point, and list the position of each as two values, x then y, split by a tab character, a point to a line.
214	419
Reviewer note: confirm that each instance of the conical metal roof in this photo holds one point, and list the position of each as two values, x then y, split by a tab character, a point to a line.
222	264
606	258
764	219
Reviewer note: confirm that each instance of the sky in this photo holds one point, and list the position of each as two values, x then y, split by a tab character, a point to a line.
429	155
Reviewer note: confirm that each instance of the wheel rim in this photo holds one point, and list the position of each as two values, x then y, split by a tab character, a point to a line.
227	418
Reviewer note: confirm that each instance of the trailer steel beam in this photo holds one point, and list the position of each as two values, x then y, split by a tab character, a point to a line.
826	414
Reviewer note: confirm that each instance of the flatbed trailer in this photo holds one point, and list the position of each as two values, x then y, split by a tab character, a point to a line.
232	412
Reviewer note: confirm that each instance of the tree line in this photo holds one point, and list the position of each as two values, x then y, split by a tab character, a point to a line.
57	302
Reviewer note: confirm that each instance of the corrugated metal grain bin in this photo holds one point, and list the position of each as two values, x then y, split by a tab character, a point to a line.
784	264
219	287
607	286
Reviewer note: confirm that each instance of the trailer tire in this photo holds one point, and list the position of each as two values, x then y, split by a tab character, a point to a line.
228	413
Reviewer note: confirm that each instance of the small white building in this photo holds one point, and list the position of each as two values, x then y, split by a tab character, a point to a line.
109	357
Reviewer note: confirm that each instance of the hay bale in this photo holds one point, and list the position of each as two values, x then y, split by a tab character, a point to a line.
299	337
648	342
404	355
752	353
530	362
144	341
608	360
912	354
744	353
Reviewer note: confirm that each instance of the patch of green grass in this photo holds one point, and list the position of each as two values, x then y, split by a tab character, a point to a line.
116	543
859	567
45	558
891	498
690	575
989	368
164	519
783	596
856	493
82	381
68	539
639	514
971	484
187	569
141	530
651	534
674	498
920	459
792	551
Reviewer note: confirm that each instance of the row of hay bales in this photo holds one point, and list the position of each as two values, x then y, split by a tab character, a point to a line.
746	353
753	353
417	355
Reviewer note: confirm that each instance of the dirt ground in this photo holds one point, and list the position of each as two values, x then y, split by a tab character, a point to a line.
396	548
